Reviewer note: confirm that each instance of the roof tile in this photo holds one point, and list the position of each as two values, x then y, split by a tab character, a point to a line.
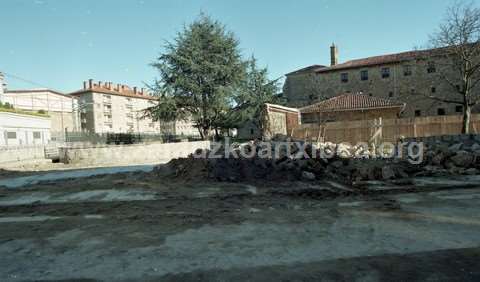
350	102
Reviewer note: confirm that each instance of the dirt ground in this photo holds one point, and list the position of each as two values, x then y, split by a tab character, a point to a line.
138	227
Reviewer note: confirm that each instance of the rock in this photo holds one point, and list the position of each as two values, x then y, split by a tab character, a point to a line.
308	176
438	159
472	171
475	147
366	173
388	173
343	151
336	164
254	210
455	147
463	159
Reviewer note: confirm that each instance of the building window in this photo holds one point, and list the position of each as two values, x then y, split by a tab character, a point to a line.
252	131
370	94
457	87
412	90
11	135
107	108
364	75
433	90
418	113
441	111
431	67
385	72
459	109
344	77
37	135
407	70
390	94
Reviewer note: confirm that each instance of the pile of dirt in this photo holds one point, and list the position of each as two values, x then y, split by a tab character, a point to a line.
285	165
307	162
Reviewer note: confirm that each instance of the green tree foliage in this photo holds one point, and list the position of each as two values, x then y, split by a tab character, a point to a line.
199	69
255	90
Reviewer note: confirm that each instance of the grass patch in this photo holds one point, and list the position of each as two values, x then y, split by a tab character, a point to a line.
22	112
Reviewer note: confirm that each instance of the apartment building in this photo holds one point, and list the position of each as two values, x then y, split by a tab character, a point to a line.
107	108
407	77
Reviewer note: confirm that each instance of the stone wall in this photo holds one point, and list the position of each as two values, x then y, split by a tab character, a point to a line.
9	154
129	154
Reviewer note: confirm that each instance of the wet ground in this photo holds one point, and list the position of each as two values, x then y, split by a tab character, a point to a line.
131	227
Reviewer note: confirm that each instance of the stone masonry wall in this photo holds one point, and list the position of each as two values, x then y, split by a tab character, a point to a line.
306	88
130	154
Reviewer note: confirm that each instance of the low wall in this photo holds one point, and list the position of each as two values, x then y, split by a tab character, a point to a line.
129	154
14	154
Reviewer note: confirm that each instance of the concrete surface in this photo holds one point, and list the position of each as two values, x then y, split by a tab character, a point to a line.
130	154
17	182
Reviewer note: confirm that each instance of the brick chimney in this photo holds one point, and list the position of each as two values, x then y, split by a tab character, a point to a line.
99	84
135	90
84	85
90	83
333	55
142	91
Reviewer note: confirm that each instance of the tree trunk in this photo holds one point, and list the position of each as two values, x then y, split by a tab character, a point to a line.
205	133
466	119
201	133
217	136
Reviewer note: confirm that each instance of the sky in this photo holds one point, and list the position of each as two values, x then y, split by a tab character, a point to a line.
60	43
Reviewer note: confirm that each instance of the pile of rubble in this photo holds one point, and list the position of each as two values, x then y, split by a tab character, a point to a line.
307	162
452	159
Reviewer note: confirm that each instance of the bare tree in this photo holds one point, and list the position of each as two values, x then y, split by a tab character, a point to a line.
459	39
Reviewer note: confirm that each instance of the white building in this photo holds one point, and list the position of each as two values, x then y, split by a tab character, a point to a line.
23	130
58	106
2	86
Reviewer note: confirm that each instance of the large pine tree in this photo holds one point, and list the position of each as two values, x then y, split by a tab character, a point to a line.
198	71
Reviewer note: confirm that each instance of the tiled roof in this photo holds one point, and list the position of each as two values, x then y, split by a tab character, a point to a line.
384	59
373	61
307	69
124	92
351	102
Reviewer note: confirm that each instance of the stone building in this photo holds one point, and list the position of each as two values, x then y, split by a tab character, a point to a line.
406	77
179	128
107	108
350	107
278	120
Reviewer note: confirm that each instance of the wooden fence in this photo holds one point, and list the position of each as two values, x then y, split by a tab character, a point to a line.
390	130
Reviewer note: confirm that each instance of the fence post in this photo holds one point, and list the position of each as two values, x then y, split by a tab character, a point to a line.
415	127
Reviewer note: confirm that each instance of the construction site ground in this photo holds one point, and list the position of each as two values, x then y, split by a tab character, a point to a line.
136	226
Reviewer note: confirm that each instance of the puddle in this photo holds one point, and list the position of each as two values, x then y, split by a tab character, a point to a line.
27	218
447	181
80	173
252	189
351	204
407	200
110	195
18	219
